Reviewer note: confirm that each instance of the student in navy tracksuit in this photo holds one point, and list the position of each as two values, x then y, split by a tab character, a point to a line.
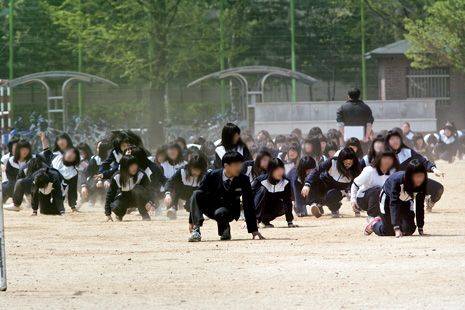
376	147
258	166
297	177
273	195
15	163
312	147
121	140
174	160
230	141
448	143
365	190
184	182
219	197
402	203
405	155
290	155
92	188
328	184
129	188
47	192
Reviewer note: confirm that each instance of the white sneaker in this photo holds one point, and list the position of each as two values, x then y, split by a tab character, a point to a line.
12	208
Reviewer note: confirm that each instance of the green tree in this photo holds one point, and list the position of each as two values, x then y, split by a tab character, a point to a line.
439	39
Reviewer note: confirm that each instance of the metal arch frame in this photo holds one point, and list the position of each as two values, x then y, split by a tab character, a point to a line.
251	95
71	76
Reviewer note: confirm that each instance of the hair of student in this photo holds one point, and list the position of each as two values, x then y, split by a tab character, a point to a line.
390	134
417	136
280	139
77	159
197	161
227	135
34	165
432	139
84	148
21	145
41	179
354	94
344	154
297	132
64	136
179	158
355	142
315	132
376	163
12	142
316	147
371	152
141	156
119	137
275	163
330	146
181	140
231	157
304	164
124	164
103	148
414	167
256	169
265	133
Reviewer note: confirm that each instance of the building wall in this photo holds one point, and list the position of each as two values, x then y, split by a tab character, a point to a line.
392	77
392	81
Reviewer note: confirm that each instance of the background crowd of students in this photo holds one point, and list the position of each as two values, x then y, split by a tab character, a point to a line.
257	177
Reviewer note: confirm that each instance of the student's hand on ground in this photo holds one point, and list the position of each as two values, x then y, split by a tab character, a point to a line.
98	176
106	184
305	191
257	234
168	200
292	225
99	184
34	214
354	206
438	172
149	207
398	233
74	210
109	218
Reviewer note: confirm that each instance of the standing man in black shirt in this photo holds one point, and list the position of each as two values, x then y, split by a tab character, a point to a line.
356	116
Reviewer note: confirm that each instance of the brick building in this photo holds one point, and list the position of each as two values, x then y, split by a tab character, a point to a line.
398	80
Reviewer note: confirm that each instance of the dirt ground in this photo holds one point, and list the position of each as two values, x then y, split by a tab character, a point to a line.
80	261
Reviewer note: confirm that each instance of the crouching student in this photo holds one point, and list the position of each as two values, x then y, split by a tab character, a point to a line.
273	195
128	189
366	188
258	166
14	164
402	201
67	165
297	177
219	198
184	182
405	155
328	184
47	192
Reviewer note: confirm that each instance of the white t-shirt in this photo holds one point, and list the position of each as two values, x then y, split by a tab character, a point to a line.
367	179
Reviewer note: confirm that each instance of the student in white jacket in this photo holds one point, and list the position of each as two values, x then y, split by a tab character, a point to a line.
365	190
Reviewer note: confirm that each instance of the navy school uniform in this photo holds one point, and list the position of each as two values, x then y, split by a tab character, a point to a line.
364	162
49	200
399	208
406	155
296	186
155	174
220	151
181	186
90	182
221	200
70	178
447	147
12	169
247	169
327	185
169	169
272	199
110	165
135	194
24	184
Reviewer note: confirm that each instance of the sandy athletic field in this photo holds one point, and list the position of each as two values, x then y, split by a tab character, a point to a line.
80	261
